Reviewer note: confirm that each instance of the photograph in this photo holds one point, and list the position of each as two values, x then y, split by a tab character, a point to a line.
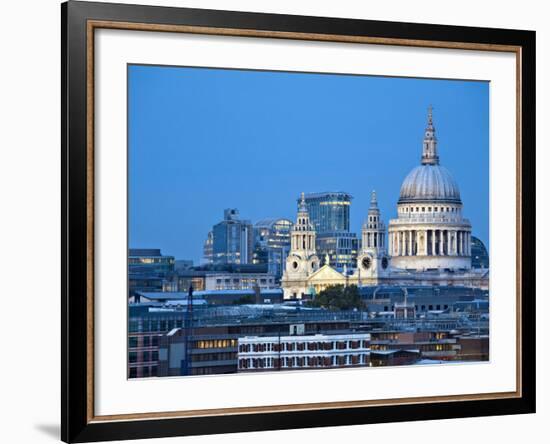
284	221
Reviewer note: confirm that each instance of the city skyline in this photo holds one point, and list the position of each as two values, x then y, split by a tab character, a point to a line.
381	142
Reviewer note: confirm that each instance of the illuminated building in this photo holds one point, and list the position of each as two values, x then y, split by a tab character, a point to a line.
429	243
233	240
149	261
329	213
303	352
208	248
430	231
272	244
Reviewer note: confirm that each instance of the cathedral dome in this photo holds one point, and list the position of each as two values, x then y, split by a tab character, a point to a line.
429	183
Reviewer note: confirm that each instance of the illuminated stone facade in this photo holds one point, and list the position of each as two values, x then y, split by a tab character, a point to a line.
429	243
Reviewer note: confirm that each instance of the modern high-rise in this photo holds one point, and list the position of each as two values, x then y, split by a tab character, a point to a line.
272	244
208	249
329	214
233	239
328	211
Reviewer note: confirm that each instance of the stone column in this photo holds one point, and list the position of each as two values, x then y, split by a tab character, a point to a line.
396	239
426	242
399	244
455	243
410	243
460	243
396	246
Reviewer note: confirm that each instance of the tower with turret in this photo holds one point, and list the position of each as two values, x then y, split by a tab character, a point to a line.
302	259
373	262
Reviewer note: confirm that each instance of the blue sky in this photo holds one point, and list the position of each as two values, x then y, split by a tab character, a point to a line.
201	140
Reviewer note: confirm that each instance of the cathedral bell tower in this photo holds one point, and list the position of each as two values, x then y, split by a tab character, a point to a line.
373	261
302	259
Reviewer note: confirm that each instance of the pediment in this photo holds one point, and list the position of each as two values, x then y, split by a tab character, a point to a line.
327	273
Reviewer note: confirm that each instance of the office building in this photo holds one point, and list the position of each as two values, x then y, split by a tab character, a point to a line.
272	244
232	240
303	352
149	261
329	213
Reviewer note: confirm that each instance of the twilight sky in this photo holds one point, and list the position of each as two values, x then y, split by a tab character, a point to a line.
201	140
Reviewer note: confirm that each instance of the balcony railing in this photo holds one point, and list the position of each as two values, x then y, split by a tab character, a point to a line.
407	218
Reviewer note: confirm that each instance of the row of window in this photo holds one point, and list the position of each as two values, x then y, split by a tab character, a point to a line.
145	372
435	209
303	361
421	307
146	356
216	343
421	347
226	356
146	341
244	281
154	325
301	346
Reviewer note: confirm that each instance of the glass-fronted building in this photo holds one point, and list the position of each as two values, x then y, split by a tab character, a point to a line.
208	249
341	248
480	257
149	261
329	213
233	240
272	244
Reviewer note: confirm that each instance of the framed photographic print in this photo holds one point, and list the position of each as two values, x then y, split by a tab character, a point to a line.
275	221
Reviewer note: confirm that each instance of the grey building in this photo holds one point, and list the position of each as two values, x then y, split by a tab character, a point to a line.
233	240
208	249
272	244
147	268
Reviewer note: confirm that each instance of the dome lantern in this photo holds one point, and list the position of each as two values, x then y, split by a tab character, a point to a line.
429	181
429	147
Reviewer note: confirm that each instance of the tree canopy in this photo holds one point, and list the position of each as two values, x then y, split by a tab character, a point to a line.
338	297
